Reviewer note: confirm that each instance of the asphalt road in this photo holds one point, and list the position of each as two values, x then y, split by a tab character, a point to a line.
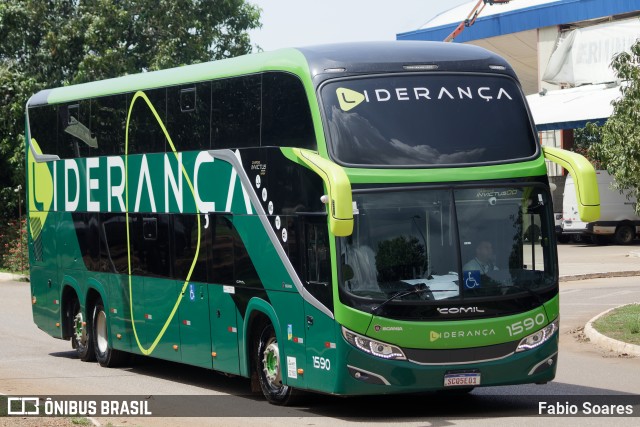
33	363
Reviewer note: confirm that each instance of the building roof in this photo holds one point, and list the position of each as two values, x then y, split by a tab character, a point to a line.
573	108
517	16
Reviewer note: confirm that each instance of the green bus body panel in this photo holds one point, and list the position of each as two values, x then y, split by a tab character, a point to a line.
530	168
321	356
224	331
194	324
158	298
454	334
552	307
45	310
118	312
584	176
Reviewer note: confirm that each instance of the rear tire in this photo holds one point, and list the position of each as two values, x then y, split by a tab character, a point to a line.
81	339
624	234
105	355
268	365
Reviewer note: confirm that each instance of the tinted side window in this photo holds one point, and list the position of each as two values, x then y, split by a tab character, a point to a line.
235	112
108	116
73	129
317	266
145	133
87	231
286	117
185	238
245	271
113	243
150	245
188	116
43	123
221	271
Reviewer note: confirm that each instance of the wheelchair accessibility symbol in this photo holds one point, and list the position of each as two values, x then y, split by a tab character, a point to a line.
472	279
192	292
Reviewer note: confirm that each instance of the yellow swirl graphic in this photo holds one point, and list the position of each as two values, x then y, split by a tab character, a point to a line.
149	350
40	189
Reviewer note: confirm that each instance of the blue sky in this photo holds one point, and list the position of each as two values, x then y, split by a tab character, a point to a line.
290	23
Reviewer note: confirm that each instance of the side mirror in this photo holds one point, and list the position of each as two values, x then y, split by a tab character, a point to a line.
339	201
584	178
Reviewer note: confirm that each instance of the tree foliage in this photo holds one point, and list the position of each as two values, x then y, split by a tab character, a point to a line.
619	149
53	43
586	141
399	258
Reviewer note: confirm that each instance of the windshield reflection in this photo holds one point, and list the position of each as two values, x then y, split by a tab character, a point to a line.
447	245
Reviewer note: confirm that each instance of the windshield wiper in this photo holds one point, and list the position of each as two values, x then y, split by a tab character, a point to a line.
419	288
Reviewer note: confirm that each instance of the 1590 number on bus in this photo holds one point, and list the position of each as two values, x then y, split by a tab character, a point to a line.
526	324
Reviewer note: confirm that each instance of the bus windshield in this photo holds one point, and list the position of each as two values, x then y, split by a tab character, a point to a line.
427	120
447	245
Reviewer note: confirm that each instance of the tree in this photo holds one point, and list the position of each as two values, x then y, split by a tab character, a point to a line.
585	141
619	149
45	44
400	258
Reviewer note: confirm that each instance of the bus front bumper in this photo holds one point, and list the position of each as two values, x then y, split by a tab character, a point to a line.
366	374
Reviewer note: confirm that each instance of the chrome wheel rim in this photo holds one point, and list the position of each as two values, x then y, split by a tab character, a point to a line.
271	364
101	332
79	329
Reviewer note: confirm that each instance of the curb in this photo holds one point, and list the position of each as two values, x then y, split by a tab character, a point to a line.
609	343
599	275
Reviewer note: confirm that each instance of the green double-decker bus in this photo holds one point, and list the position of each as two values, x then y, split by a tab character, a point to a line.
350	219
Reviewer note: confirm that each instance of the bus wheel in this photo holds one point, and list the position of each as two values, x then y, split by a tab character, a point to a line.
624	234
105	355
81	336
269	368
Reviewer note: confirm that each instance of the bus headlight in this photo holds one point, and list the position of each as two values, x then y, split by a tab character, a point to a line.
538	338
373	347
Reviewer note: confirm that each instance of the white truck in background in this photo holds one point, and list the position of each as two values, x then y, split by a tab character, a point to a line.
618	220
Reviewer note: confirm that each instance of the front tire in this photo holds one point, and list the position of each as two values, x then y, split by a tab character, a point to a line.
268	365
105	355
81	339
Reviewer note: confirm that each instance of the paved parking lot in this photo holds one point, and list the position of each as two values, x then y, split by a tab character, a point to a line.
577	259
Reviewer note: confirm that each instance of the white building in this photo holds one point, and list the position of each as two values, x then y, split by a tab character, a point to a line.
560	50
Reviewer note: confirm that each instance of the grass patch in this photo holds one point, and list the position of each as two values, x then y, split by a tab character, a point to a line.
622	324
81	422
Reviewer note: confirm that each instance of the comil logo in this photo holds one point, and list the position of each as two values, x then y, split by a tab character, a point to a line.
348	98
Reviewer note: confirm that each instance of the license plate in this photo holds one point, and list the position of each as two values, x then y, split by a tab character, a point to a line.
464	380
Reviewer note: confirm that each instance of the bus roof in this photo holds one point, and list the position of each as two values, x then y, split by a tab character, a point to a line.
319	62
